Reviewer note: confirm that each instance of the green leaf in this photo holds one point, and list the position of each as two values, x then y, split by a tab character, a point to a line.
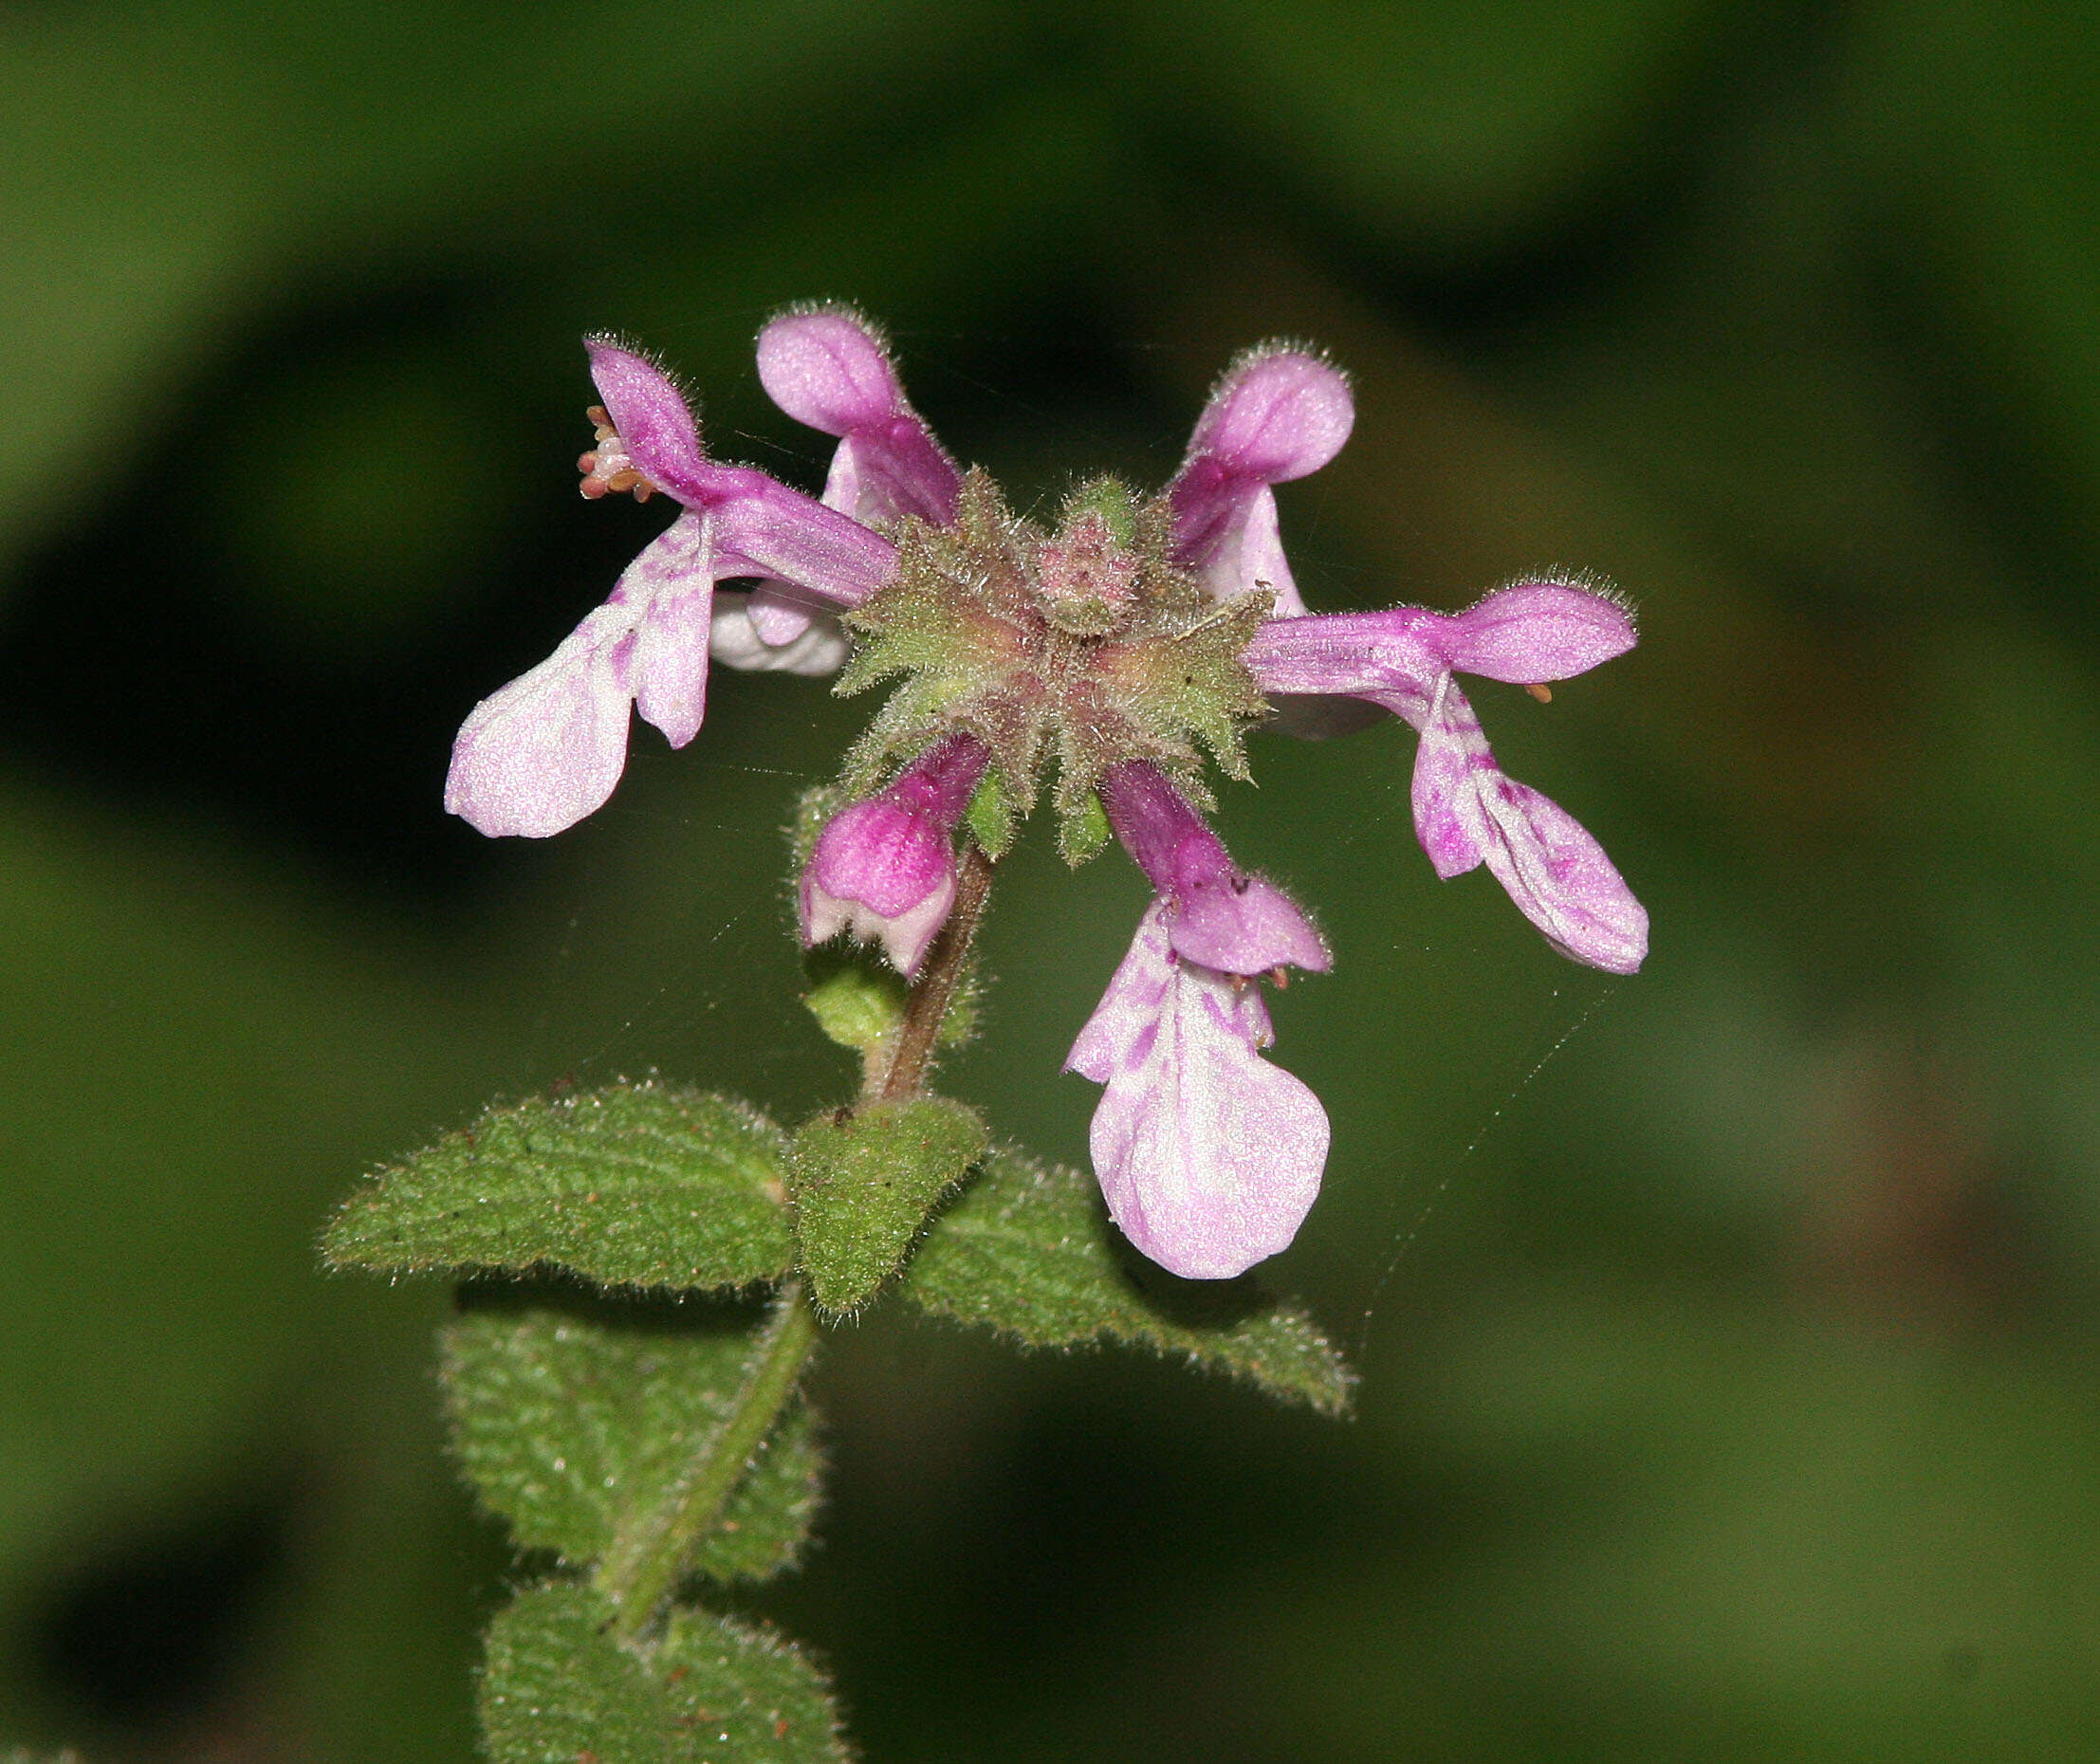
761	1698
863	1180
556	1687
638	1184
1028	1251
568	1424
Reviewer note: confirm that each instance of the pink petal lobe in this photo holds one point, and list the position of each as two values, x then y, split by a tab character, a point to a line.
829	369
1276	415
671	585
1536	632
1467	812
543	752
652	417
1210	1157
1561	880
1245	924
1443	785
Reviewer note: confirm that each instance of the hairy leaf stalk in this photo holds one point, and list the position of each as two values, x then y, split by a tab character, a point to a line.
645	1560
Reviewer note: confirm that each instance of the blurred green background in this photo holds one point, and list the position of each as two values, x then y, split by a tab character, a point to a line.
1727	1333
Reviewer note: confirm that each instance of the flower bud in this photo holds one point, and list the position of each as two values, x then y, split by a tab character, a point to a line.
883	870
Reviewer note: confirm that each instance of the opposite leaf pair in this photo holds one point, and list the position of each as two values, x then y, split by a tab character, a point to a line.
655	1187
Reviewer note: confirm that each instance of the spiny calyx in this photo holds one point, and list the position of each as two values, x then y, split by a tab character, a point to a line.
1085	642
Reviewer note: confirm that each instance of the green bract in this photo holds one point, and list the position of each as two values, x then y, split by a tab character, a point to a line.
864	1181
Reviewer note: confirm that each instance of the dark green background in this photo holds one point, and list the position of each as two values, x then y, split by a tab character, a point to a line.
1727	1331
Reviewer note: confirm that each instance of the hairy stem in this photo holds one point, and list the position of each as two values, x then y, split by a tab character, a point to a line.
926	1008
646	1558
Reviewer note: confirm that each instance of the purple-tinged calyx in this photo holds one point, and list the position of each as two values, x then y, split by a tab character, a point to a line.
1208	1156
1467	812
1083	645
1215	913
1279	413
547	749
883	870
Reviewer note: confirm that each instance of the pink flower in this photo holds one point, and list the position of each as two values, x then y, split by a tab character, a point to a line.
1279	415
1016	642
1214	913
547	749
1465	811
1208	1156
826	366
1276	414
883	870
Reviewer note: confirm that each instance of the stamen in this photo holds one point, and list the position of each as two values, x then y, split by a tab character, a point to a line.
607	467
1279	977
1541	693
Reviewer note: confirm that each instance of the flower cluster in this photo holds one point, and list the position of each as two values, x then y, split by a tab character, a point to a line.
1120	646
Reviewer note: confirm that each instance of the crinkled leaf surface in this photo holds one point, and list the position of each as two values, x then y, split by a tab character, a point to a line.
567	1425
864	1181
556	1687
637	1185
1028	1251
